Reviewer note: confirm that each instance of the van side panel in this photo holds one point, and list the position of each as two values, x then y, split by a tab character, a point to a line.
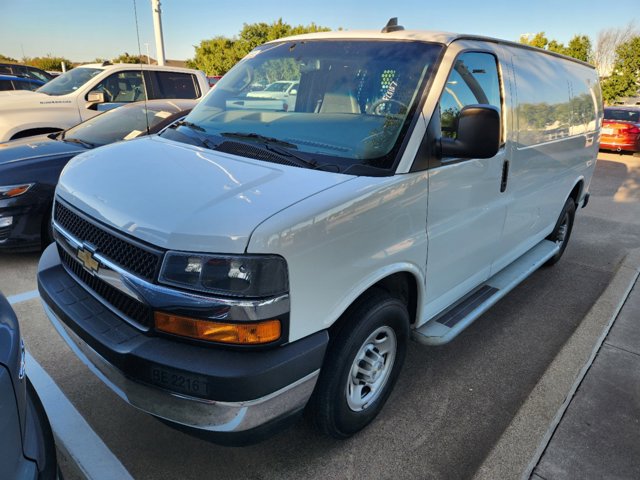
343	240
553	146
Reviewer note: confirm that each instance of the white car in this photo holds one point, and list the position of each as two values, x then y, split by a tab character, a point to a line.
280	90
252	263
87	90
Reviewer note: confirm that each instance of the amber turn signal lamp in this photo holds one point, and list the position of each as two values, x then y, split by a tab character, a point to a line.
253	333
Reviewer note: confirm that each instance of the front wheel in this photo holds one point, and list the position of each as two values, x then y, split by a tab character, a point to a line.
362	364
562	230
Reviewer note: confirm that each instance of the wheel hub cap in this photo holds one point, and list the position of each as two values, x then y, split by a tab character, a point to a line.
371	368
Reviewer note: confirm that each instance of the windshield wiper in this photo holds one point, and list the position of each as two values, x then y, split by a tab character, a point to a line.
75	140
204	141
259	138
274	145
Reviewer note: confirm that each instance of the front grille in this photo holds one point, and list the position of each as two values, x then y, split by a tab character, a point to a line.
131	257
4	233
129	307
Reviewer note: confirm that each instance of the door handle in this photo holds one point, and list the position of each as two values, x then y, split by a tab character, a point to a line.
505	176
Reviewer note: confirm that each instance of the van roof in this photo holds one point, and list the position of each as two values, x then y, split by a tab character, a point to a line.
444	38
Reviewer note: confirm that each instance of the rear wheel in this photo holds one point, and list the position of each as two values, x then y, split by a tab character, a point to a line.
562	231
362	364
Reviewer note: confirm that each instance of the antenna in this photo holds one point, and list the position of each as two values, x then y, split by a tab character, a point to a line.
392	26
144	82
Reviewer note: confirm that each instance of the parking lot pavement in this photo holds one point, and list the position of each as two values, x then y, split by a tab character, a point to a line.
451	404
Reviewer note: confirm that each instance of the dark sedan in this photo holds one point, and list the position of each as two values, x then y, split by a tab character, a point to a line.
27	449
30	167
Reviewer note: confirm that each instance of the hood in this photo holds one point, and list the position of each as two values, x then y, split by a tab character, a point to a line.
12	99
35	148
181	197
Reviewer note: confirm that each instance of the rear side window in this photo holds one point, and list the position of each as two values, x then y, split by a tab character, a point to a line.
174	85
473	80
622	115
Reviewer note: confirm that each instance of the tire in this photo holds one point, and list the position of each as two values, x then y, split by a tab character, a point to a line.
362	364
562	231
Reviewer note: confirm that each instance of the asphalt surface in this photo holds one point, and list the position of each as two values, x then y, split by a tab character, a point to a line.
451	404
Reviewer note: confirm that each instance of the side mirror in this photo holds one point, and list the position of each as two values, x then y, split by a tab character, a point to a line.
293	91
477	135
95	97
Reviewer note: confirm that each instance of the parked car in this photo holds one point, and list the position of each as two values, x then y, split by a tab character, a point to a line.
621	129
30	167
252	264
27	449
280	90
85	91
213	79
25	71
11	82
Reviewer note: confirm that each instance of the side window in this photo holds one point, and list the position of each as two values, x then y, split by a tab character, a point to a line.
6	70
175	85
122	87
473	80
23	85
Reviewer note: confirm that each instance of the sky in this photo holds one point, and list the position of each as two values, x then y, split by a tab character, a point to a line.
83	30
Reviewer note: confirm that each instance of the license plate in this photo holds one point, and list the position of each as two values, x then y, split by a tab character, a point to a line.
180	382
607	131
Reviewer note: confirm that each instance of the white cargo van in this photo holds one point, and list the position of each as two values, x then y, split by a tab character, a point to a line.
254	262
85	91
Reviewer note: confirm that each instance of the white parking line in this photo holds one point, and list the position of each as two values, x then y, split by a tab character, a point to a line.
72	433
23	297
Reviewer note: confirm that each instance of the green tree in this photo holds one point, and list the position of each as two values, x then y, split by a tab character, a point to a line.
126	58
49	63
217	55
5	59
625	77
579	47
538	40
555	46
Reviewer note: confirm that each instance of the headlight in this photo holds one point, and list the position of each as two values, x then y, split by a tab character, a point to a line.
10	191
233	275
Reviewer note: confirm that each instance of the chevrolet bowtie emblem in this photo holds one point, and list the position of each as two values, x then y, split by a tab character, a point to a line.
87	260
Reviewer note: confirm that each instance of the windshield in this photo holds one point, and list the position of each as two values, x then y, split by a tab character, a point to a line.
70	81
624	115
353	99
123	123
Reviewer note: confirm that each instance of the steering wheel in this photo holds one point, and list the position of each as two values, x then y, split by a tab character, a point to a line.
377	109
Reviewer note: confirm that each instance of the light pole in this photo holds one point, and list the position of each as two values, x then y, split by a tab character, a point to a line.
148	59
157	27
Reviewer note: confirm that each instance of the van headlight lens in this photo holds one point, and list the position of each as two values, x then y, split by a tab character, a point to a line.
233	275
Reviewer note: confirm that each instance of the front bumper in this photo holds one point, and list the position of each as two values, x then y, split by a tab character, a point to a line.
237	391
25	228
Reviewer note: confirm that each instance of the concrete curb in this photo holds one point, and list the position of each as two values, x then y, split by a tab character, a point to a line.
521	445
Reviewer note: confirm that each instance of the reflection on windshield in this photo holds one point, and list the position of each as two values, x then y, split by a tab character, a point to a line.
352	99
123	123
70	81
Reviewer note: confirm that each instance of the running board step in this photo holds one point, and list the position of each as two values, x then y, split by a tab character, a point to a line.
447	325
